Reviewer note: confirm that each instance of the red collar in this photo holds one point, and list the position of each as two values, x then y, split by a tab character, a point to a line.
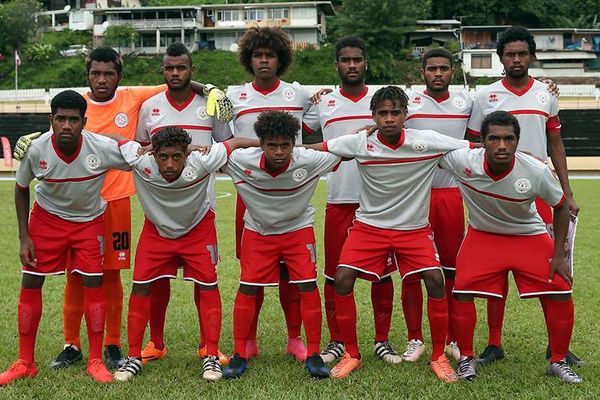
439	100
498	177
179	107
267	90
393	146
64	157
356	98
263	166
518	92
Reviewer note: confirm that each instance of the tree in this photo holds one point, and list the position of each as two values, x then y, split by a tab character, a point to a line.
120	36
17	23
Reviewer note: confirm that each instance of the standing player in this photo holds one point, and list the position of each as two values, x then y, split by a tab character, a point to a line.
537	113
70	165
445	112
266	53
506	233
276	182
337	114
174	190
178	106
396	167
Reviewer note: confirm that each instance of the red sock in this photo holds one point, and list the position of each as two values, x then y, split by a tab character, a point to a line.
310	307
437	312
210	319
94	309
412	307
137	318
289	297
464	318
560	322
495	317
334	332
29	313
160	294
544	304
73	309
451	307
113	295
382	298
346	319
259	298
197	301
244	314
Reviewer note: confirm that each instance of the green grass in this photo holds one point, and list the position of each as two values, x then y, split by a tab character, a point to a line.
275	375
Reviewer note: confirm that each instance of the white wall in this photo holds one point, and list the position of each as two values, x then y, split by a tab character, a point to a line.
303	16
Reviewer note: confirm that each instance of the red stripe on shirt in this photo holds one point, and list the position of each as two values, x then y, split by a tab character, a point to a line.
473	132
307	129
279	190
560	203
194	127
263	109
348	118
529	112
80	179
494	195
438	116
401	160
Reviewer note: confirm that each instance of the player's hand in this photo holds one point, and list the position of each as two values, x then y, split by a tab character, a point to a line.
573	206
217	104
552	86
27	252
145	150
316	98
558	266
23	145
203	149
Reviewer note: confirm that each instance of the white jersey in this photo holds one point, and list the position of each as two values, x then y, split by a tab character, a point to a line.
338	114
278	203
175	208
448	116
396	178
534	107
249	101
503	204
69	186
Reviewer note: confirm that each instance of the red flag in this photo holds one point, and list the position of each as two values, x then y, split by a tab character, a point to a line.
17	58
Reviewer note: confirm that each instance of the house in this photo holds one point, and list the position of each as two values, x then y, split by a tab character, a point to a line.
567	52
431	33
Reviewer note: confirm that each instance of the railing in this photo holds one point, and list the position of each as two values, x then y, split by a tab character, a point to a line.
154	24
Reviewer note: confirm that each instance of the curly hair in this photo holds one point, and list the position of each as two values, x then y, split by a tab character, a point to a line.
104	54
270	38
500	118
169	137
392	93
438	52
272	124
514	34
177	49
350	41
69	100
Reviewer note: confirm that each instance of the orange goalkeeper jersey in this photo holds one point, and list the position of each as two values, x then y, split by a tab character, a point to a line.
118	116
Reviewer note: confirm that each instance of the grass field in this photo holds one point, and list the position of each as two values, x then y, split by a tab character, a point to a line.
274	375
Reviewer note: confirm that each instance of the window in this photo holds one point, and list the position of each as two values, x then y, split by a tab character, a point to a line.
227	15
254	15
481	61
278	13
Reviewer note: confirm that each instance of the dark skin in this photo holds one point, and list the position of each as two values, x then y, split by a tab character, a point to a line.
177	72
437	75
67	125
500	146
265	63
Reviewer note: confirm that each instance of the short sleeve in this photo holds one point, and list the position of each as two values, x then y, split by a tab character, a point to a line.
25	172
445	143
550	189
143	93
346	145
211	162
142	134
310	120
221	131
129	151
476	118
553	123
450	161
115	158
325	162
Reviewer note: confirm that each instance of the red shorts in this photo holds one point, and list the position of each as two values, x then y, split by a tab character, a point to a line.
158	257
53	238
485	258
544	210
338	219
240	209
447	219
261	255
367	250
117	231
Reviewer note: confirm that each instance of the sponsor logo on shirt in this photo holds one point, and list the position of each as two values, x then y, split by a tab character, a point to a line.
43	164
93	161
370	147
201	113
121	120
299	174
189	174
417	100
243	96
288	94
543	98
248	172
147	171
155	112
122	256
331	103
522	185
468	172
493	98
459	102
420	146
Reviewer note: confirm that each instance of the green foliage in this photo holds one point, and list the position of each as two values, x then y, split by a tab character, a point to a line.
62	40
120	36
17	23
452	46
40	52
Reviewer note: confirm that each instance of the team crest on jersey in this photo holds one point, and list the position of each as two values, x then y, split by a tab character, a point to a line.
522	185
93	161
299	174
468	172
155	112
288	94
121	120
43	164
493	98
420	146
201	112
147	171
243	96
543	98
459	102
189	173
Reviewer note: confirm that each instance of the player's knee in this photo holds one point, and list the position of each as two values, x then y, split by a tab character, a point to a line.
249	290
32	281
92	281
434	282
344	280
560	297
140	289
307	286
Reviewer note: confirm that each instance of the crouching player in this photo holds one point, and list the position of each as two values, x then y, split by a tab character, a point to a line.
179	229
70	165
506	233
276	183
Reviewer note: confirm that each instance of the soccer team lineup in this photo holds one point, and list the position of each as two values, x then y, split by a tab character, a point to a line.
402	170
